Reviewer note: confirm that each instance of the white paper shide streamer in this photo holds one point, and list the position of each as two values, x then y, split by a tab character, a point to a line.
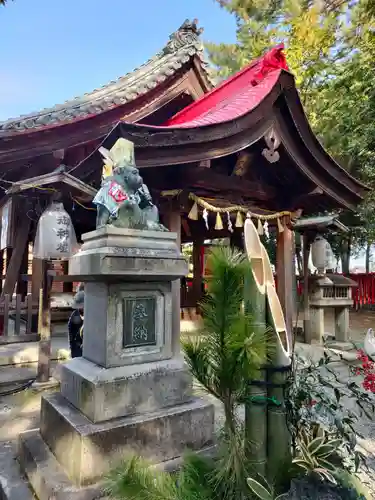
205	217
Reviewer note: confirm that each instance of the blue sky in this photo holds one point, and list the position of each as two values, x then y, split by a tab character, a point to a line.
53	50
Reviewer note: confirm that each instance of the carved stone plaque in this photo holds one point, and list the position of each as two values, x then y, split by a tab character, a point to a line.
139	321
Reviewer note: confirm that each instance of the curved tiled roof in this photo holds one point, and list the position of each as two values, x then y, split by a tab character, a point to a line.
183	44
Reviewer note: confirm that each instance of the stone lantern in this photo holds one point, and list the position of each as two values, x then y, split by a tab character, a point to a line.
330	291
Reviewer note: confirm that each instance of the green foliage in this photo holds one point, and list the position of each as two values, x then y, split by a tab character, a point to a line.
136	479
195	478
223	359
317	453
344	115
309	30
261	491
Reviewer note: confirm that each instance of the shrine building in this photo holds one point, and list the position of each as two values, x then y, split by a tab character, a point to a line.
210	155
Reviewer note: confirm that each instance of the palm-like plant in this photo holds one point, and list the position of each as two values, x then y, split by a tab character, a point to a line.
226	356
230	349
136	479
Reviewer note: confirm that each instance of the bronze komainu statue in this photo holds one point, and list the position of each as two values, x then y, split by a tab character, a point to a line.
123	200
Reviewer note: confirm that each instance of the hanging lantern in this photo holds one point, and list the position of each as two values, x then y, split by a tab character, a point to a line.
321	254
55	236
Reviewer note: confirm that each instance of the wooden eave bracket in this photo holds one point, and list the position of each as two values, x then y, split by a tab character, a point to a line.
51	179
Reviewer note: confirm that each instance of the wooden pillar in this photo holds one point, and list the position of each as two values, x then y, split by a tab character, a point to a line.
14	262
7	253
36	279
44	357
37	273
173	222
285	275
67	286
22	283
306	299
2	257
197	271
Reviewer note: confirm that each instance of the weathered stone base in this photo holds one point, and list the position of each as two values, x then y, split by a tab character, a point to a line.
46	476
102	394
87	451
48	479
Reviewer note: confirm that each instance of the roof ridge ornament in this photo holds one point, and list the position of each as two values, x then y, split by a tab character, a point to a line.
272	60
187	34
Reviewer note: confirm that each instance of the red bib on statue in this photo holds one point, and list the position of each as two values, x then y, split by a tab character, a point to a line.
117	193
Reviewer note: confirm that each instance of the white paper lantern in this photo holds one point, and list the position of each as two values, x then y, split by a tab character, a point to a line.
321	254
55	236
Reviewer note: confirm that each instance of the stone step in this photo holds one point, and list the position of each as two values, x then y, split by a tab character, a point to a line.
12	376
13	484
24	353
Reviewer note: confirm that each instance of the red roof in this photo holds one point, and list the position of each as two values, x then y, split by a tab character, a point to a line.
237	95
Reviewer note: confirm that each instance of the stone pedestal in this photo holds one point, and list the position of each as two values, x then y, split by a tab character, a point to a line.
342	324
129	393
317	323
